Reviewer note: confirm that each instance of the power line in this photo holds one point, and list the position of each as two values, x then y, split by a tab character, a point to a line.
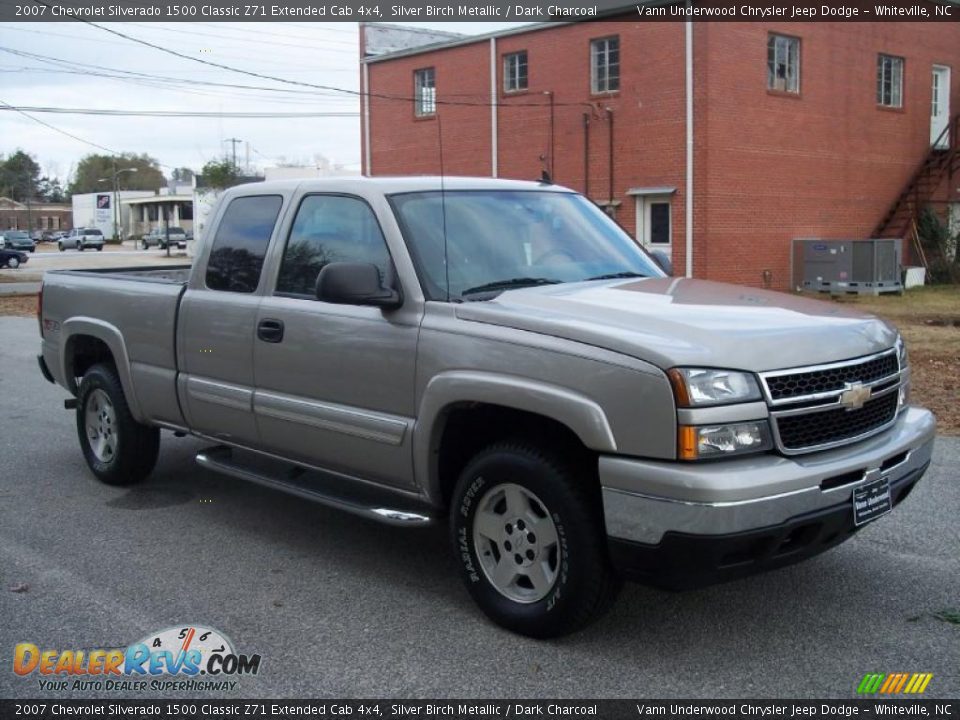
176	113
301	83
56	129
85	69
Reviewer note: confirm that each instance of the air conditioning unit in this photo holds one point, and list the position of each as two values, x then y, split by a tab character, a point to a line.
855	267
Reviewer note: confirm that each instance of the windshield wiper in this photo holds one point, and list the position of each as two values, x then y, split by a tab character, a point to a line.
518	282
617	276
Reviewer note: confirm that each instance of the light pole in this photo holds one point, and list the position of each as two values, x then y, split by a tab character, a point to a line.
116	197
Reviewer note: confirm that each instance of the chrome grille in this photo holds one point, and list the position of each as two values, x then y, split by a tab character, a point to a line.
807	410
803	431
831	378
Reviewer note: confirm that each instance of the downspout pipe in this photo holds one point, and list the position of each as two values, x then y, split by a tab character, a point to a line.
494	169
688	221
586	155
610	160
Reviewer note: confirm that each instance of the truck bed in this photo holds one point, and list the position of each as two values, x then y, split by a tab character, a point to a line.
133	310
178	274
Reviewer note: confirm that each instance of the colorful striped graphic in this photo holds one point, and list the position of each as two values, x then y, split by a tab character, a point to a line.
894	683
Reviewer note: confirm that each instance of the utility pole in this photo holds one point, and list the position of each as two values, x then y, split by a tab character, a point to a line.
233	142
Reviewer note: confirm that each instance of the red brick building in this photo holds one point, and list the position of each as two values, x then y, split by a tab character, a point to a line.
794	130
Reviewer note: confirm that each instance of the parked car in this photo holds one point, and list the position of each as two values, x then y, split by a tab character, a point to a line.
12	258
499	356
40	236
17	240
81	239
159	237
60	234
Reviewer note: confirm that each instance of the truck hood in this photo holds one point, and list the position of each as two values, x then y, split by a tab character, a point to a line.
679	322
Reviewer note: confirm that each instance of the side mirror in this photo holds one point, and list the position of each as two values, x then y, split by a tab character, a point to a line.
664	261
349	283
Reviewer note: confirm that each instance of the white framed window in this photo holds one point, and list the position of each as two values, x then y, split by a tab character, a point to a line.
605	65
889	81
655	221
425	92
515	71
783	63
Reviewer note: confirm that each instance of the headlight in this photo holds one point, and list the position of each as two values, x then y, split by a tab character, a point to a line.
714	441
696	387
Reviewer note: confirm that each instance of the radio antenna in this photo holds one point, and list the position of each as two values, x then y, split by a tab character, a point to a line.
443	210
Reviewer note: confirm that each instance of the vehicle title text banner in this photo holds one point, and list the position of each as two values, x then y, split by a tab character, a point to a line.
530	11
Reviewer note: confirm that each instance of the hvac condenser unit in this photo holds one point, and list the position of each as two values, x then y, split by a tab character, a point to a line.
867	267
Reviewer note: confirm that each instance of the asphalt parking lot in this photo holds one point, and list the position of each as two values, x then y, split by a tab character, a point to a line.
338	606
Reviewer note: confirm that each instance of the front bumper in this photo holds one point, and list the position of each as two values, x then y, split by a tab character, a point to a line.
684	525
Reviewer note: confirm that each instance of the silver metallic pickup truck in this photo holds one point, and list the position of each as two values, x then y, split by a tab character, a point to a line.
503	356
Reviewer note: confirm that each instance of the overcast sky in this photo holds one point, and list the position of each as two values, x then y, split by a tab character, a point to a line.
319	53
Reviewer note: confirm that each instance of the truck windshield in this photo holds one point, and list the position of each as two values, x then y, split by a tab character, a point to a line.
495	240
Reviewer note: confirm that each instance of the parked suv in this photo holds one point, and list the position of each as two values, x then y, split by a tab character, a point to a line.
81	239
16	240
160	236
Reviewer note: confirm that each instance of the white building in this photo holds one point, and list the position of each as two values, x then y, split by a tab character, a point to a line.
97	210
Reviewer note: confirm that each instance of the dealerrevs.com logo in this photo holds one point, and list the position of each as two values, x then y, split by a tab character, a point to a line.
190	658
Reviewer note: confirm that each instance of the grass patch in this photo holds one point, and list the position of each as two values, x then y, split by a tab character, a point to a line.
950	615
929	320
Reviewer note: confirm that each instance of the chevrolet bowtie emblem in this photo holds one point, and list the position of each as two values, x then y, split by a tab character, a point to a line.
854	395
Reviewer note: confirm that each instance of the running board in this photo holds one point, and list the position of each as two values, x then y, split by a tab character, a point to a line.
326	488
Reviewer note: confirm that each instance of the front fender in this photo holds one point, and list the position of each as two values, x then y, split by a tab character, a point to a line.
112	337
583	416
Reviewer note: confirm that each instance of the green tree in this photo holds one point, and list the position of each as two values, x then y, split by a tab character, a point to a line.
50	190
220	174
95	172
182	175
19	176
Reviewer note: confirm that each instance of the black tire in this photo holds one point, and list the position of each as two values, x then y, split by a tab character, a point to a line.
60	246
137	446
80	246
585	584
144	246
99	249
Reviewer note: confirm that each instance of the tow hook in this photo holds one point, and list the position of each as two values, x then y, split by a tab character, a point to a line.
70	404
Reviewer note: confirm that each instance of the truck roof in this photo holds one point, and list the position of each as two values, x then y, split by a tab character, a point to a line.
390	185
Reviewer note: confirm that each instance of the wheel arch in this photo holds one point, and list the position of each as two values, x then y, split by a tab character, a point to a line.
87	341
462	411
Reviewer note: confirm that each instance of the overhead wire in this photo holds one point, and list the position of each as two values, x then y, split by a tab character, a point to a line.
302	83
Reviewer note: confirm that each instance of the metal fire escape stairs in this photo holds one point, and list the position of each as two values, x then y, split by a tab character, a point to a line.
941	161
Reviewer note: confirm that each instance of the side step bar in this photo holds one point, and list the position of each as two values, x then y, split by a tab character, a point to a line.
325	488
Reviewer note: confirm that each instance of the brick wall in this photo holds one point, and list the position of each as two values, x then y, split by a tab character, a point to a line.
825	163
768	168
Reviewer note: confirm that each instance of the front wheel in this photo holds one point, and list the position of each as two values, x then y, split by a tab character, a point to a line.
100	248
80	247
527	529
118	449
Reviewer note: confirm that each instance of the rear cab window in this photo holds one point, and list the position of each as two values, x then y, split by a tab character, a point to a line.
240	244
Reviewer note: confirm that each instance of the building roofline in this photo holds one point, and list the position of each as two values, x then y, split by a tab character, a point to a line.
458	42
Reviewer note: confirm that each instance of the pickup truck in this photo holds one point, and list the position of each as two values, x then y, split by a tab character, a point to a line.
502	357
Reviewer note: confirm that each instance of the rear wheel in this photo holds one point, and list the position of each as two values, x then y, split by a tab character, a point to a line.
60	246
527	529
118	449
80	246
100	248
13	263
